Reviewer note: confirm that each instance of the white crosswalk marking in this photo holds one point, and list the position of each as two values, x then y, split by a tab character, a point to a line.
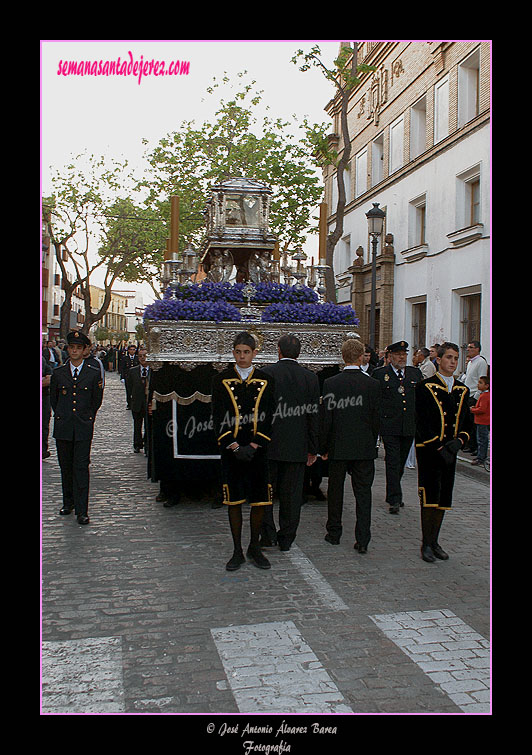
271	669
313	577
450	652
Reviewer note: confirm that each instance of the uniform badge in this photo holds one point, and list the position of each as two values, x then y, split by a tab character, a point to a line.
386	377
400	389
64	392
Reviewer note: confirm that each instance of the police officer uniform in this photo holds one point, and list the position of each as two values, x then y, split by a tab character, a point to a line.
443	425
76	394
398	421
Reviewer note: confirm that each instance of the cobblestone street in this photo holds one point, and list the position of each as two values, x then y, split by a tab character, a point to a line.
139	614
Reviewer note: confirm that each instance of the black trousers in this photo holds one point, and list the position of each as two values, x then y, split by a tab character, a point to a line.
362	473
138	422
435	479
287	479
74	460
396	449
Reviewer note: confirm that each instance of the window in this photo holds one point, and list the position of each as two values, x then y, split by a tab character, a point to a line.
474	194
418	128
377	160
396	144
468	88
417	225
347	185
441	110
419	325
468	198
470	323
361	173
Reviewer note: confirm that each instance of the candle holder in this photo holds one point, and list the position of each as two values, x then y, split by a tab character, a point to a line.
286	268
299	273
321	270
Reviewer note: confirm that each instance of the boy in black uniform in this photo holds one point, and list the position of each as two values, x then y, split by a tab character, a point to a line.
243	406
443	426
76	393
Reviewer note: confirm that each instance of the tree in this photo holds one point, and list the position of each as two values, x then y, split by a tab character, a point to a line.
190	160
86	210
344	77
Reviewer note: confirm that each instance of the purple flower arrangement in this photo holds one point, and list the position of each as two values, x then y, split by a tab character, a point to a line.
179	309
326	313
212	301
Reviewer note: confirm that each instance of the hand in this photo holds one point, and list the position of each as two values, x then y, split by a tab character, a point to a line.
325	456
244	453
454	445
311	458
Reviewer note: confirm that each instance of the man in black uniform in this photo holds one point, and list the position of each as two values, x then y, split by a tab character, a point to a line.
130	360
398	417
137	384
443	425
242	409
294	443
348	438
76	393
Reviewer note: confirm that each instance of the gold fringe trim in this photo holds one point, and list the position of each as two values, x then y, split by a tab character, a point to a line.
183	400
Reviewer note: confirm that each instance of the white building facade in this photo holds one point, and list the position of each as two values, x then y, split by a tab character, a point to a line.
421	144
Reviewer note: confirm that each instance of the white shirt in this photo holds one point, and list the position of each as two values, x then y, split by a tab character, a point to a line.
244	372
476	368
448	380
78	368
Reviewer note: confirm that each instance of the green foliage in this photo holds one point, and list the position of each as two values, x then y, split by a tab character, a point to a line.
192	159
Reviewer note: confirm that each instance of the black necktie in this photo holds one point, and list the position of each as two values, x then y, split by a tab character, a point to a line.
400	375
75	372
144	372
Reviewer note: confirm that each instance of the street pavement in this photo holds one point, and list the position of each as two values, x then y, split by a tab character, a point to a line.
139	615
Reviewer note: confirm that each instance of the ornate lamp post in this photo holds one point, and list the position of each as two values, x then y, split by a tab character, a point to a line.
375	225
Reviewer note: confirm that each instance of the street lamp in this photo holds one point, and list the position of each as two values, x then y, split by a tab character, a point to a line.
375	225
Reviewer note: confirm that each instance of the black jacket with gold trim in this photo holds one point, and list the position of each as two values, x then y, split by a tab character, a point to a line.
242	410
442	415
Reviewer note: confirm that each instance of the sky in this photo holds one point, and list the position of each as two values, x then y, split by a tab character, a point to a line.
111	115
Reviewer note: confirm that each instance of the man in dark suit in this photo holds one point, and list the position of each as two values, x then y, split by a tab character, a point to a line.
76	393
398	417
130	360
348	439
294	442
137	382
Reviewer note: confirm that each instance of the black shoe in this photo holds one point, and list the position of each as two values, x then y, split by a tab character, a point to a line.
236	561
65	510
46	454
284	547
427	554
439	552
161	497
170	502
83	519
332	540
394	509
267	542
136	450
254	554
360	548
318	494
